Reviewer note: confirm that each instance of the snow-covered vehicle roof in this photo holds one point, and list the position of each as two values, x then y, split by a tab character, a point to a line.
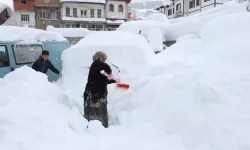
14	33
69	32
4	6
130	52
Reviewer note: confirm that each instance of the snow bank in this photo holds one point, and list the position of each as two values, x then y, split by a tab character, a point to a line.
155	39
13	33
69	32
129	51
202	88
231	44
39	117
194	23
144	26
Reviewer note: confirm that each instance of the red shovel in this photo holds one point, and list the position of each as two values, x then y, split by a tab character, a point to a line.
118	82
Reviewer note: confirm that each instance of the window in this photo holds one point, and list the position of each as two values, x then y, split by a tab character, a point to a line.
4	57
27	53
67	25
25	18
74	12
23	1
206	1
99	13
92	13
85	12
41	14
58	15
111	7
173	10
120	8
48	16
178	7
44	15
67	12
169	12
77	25
81	12
198	3
191	4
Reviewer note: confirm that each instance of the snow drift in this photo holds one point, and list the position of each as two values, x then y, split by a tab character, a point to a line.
13	33
194	23
129	51
195	97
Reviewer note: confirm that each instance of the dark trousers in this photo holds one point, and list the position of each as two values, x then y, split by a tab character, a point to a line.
95	107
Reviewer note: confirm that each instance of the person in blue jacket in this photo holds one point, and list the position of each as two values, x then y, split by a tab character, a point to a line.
42	64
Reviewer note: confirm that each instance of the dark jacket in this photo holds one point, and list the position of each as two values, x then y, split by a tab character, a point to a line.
97	83
42	66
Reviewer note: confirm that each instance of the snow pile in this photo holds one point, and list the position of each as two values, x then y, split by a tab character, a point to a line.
8	2
69	32
230	45
158	17
194	23
13	33
144	26
39	117
155	39
202	88
131	53
4	6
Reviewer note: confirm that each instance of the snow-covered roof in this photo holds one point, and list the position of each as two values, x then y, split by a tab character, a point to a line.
69	32
4	6
14	33
115	21
84	19
85	1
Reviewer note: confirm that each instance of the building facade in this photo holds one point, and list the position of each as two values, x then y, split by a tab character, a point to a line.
24	13
83	14
180	8
47	12
116	13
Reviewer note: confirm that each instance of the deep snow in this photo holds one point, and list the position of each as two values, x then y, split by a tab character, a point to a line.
192	96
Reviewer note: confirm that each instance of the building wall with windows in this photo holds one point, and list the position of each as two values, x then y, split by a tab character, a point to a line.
83	15
189	7
48	12
25	19
82	10
116	9
24	13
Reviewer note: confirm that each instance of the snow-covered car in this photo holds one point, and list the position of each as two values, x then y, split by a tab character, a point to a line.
130	52
21	46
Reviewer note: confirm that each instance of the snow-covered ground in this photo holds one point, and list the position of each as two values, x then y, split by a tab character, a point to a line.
192	96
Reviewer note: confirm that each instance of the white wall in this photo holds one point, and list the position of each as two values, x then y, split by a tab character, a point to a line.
31	22
82	6
115	14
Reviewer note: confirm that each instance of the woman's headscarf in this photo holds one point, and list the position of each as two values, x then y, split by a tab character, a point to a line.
100	55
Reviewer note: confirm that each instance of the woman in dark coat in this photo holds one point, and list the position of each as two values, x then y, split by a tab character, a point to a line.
95	94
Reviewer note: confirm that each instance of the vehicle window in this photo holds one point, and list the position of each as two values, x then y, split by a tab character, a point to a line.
4	57
25	54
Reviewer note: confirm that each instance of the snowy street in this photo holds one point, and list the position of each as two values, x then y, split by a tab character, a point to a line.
192	95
